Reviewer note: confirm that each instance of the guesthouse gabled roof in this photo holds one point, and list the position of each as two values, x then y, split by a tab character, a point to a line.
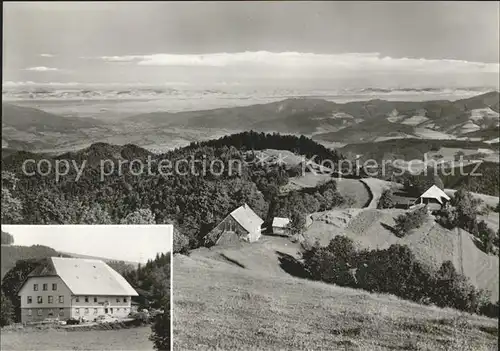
435	193
247	218
86	276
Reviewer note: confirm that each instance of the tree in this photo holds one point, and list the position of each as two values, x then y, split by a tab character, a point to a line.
6	310
94	214
161	328
468	208
11	207
332	264
386	199
410	220
487	236
12	281
297	223
180	242
7	239
142	216
121	267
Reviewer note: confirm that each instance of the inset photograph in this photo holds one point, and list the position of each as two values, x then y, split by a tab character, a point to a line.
88	287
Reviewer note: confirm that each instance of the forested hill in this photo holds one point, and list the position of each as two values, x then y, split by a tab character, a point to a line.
189	196
259	141
12	253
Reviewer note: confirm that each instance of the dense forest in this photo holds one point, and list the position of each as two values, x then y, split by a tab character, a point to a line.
192	198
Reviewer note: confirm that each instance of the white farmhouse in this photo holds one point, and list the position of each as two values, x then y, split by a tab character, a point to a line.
64	288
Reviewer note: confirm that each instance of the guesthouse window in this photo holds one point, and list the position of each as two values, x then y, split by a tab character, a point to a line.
77	311
39	299
51	299
86	299
35	287
40	312
61	311
51	313
61	299
95	299
54	287
30	299
86	311
77	299
124	299
117	300
45	287
30	312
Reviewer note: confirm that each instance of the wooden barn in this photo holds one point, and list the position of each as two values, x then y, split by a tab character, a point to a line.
241	224
434	198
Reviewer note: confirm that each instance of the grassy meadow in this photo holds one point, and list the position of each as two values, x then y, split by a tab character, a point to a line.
221	306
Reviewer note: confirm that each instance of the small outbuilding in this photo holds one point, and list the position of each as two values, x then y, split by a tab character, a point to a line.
280	226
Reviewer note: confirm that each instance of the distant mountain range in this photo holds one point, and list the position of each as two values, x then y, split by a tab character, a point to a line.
27	128
359	119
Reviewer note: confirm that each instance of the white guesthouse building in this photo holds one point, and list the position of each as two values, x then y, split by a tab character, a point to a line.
64	288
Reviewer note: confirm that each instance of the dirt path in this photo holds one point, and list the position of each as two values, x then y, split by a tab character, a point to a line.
356	190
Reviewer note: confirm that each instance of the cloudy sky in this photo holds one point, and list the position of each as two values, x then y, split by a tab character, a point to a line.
377	44
134	243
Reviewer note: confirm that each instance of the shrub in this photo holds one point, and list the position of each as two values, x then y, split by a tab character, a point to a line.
411	220
447	217
396	271
332	263
487	236
386	199
463	212
452	289
490	310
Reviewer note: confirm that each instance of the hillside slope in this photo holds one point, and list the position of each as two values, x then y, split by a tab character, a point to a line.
219	306
10	254
431	244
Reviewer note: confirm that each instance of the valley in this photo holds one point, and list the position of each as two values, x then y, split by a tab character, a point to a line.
54	126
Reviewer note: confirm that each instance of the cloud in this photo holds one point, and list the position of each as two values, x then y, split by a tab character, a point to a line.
41	69
13	84
47	55
296	61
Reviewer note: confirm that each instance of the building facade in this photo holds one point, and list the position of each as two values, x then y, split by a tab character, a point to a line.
91	289
241	224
